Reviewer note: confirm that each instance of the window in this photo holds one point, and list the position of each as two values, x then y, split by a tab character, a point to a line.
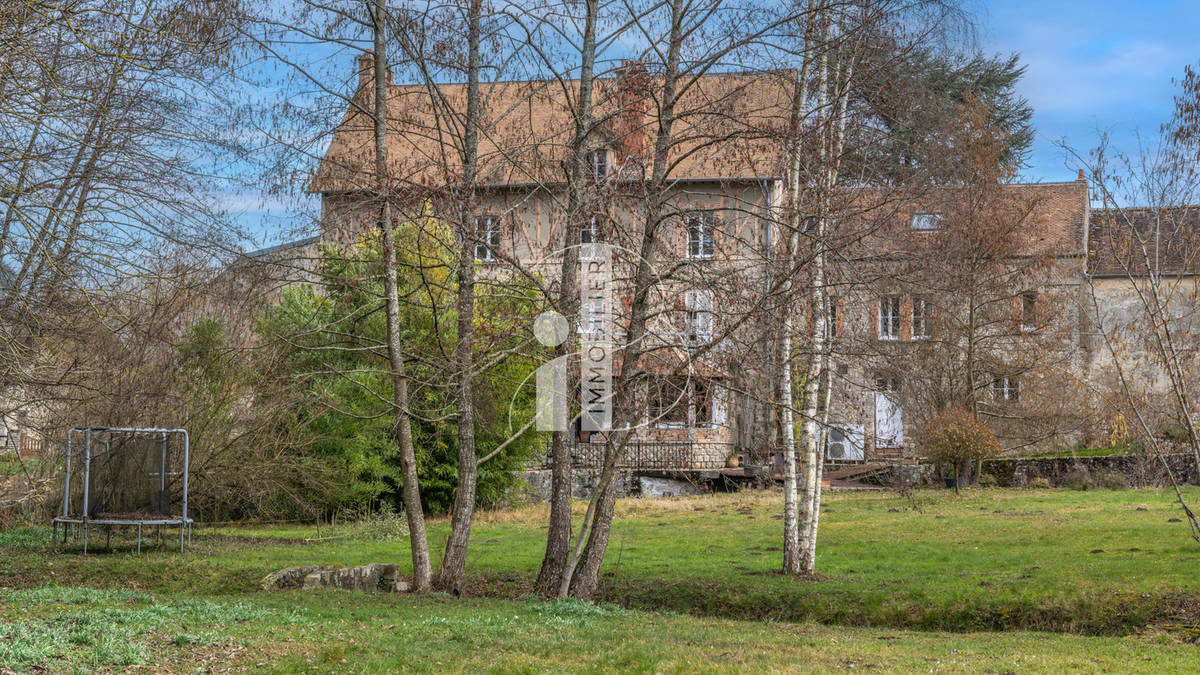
487	231
699	305
589	233
673	399
926	222
703	403
1029	312
597	162
922	318
808	225
700	239
887	384
889	318
1006	389
667	406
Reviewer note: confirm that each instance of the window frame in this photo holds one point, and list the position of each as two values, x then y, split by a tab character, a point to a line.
592	228
597	163
487	238
701	405
704	223
894	305
699	314
831	318
1006	389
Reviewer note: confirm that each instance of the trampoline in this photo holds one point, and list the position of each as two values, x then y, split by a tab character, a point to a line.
125	477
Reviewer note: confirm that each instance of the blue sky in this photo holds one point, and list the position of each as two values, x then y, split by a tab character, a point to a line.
1093	66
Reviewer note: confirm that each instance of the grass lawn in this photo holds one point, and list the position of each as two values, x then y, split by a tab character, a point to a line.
1077	580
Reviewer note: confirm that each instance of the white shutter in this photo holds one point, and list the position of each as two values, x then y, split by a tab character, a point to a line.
855	442
889	422
699	305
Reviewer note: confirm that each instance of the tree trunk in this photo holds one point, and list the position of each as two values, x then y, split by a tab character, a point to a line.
454	562
558	536
791	525
586	574
818	387
787	402
402	428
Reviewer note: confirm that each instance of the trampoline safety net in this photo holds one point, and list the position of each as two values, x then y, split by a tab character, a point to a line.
125	475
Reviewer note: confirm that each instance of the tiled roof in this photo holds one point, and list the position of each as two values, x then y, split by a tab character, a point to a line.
1123	241
727	128
1040	219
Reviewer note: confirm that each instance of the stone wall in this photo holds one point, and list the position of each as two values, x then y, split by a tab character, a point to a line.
1138	470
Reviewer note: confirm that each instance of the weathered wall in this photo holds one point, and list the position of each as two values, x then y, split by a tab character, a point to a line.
1138	470
536	487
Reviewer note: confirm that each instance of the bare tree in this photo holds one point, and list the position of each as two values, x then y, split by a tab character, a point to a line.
422	572
1144	236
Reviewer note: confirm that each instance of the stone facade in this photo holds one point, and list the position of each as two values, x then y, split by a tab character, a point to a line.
887	383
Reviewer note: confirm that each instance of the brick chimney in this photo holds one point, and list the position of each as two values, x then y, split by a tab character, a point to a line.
629	125
366	71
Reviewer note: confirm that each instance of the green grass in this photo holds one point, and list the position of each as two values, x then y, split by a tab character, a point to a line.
9	466
84	630
918	579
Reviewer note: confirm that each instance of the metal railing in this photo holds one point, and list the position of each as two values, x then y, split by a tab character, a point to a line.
654	455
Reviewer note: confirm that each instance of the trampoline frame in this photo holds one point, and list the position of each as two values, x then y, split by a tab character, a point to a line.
67	520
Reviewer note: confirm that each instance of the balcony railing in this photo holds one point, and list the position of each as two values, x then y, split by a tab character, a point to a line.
654	455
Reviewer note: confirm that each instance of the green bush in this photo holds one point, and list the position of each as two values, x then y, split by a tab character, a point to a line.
328	360
1038	483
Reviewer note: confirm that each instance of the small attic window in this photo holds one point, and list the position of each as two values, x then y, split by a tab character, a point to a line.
928	221
597	162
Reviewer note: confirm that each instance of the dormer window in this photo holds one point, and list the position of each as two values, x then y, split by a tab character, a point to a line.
597	162
927	221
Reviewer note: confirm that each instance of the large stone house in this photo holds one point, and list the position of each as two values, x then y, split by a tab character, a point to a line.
904	338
